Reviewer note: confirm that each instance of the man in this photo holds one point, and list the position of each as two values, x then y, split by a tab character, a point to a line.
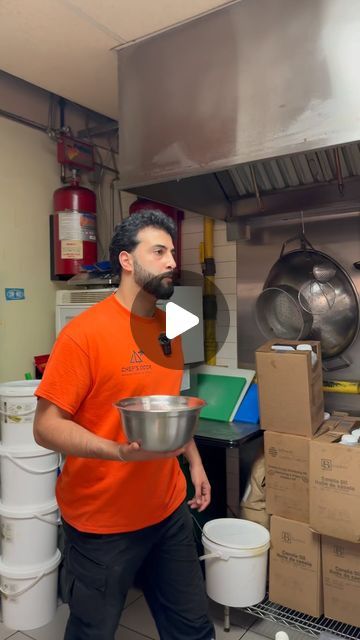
123	508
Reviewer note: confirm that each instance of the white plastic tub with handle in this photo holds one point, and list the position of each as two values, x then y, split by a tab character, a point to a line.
17	410
235	561
29	594
29	535
28	476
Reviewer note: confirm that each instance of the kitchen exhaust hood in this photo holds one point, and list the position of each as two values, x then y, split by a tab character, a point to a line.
252	109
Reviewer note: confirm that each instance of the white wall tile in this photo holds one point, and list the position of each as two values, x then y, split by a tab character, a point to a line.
220	237
226	362
192	267
226	333
225	279
191	240
191	214
226	285
193	225
225	253
225	270
228	350
190	256
227	299
222	318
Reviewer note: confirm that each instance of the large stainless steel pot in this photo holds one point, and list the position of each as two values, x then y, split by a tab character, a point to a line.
329	293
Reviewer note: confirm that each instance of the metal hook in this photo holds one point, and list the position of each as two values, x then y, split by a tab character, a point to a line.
339	176
256	189
302	222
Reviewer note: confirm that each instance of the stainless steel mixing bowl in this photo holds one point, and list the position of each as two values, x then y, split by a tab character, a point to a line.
160	423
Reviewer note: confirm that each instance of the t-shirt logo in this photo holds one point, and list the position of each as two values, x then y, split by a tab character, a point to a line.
136	357
136	364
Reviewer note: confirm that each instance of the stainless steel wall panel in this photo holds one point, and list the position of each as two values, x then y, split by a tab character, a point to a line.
340	239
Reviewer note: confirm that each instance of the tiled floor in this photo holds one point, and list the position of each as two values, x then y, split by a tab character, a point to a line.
137	624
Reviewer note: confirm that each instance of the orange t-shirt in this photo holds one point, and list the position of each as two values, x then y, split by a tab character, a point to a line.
95	362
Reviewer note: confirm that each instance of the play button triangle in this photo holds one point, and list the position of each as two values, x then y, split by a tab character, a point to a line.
178	320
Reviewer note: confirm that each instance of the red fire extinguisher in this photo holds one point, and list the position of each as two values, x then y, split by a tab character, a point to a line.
73	227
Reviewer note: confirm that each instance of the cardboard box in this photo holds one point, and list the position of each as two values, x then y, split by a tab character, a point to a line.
341	578
290	389
334	484
287	460
295	566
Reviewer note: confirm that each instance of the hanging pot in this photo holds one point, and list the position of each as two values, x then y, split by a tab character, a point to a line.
324	291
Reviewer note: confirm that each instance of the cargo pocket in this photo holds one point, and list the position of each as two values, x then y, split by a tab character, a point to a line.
65	582
86	582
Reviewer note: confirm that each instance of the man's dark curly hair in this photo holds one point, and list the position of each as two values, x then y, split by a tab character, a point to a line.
125	237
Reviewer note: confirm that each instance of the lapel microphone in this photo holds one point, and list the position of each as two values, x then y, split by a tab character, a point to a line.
165	344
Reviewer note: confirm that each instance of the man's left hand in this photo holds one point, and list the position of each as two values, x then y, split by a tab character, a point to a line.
202	496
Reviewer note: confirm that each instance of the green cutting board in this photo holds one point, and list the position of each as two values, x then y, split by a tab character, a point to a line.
221	394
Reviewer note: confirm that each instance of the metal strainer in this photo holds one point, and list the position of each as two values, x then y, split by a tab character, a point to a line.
324	272
318	296
279	314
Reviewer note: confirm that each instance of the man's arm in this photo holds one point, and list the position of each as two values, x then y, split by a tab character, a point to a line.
199	478
55	429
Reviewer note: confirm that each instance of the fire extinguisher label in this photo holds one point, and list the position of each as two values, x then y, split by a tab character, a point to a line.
74	225
71	250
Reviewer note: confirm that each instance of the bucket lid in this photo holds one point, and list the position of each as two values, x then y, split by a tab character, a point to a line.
19	387
30	451
236	533
30	571
28	511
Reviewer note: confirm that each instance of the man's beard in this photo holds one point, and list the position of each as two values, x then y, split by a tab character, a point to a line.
155	285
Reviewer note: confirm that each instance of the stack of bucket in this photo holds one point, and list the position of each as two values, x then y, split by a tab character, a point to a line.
28	513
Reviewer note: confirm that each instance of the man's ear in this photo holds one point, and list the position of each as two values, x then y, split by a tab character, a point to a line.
126	261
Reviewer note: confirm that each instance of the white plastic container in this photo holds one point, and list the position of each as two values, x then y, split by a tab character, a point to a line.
29	535
29	594
235	561
349	439
308	347
17	409
28	476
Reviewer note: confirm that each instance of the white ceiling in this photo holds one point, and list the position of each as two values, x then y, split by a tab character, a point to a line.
67	46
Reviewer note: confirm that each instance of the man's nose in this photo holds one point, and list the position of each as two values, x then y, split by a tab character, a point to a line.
171	262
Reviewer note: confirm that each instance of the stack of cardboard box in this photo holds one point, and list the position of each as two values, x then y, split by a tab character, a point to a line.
335	513
291	411
312	489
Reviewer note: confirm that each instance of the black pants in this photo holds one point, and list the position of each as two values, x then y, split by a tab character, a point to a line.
162	559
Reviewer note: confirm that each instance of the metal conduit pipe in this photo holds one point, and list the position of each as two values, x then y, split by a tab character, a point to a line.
341	386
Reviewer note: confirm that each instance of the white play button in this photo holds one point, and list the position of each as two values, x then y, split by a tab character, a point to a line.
178	320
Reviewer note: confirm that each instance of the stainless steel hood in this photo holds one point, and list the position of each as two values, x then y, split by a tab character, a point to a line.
253	108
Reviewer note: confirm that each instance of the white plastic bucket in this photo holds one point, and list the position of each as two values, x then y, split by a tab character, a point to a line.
17	409
29	594
29	536
235	561
28	476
